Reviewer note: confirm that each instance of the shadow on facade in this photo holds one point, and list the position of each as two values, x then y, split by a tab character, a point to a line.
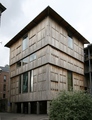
34	108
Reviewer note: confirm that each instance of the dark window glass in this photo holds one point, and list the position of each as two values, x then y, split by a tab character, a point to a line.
25	82
3	95
4	87
19	64
20	84
70	81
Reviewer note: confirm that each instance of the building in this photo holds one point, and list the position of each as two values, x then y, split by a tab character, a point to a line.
88	67
2	9
46	57
4	82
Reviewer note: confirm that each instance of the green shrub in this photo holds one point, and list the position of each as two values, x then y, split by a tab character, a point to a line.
71	106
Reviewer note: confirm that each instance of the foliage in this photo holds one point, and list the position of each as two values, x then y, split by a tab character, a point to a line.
71	106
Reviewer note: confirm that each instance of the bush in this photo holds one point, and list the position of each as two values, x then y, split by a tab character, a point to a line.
71	106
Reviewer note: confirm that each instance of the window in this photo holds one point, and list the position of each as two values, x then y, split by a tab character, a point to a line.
25	82
32	57
70	41
70	81
31	81
25	61
4	87
3	95
19	64
5	78
25	42
20	84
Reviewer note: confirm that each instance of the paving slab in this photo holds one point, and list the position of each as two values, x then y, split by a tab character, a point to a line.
12	116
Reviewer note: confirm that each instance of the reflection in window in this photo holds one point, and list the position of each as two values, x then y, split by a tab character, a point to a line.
25	42
31	81
32	57
25	82
70	40
25	61
70	81
5	78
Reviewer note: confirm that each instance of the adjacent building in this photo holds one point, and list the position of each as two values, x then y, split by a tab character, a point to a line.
4	82
46	57
88	67
2	9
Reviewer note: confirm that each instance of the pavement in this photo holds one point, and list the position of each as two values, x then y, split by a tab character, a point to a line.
14	116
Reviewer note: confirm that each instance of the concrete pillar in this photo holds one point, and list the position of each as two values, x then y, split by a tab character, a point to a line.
38	108
29	107
21	107
48	106
14	107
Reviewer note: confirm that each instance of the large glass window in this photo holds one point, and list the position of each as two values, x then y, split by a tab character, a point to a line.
70	80
32	57
25	42
25	82
70	41
20	84
31	81
25	61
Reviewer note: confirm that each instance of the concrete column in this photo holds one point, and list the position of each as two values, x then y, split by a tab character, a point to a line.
48	106
29	107
21	107
14	107
38	108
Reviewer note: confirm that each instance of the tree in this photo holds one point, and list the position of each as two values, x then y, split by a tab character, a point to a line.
71	106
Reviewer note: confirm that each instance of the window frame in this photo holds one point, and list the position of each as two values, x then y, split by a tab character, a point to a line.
25	42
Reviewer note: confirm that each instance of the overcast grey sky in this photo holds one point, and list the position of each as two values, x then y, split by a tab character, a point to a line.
19	13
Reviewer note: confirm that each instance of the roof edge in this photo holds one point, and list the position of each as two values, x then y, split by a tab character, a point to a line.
48	11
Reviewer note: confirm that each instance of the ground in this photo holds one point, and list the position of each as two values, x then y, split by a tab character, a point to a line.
12	116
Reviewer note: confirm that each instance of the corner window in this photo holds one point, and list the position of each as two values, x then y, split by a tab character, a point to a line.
18	64
70	80
25	82
25	61
25	42
70	41
32	57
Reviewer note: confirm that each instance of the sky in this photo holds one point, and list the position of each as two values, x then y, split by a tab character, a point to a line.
19	13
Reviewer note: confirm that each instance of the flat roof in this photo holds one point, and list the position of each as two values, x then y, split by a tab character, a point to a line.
2	8
48	12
